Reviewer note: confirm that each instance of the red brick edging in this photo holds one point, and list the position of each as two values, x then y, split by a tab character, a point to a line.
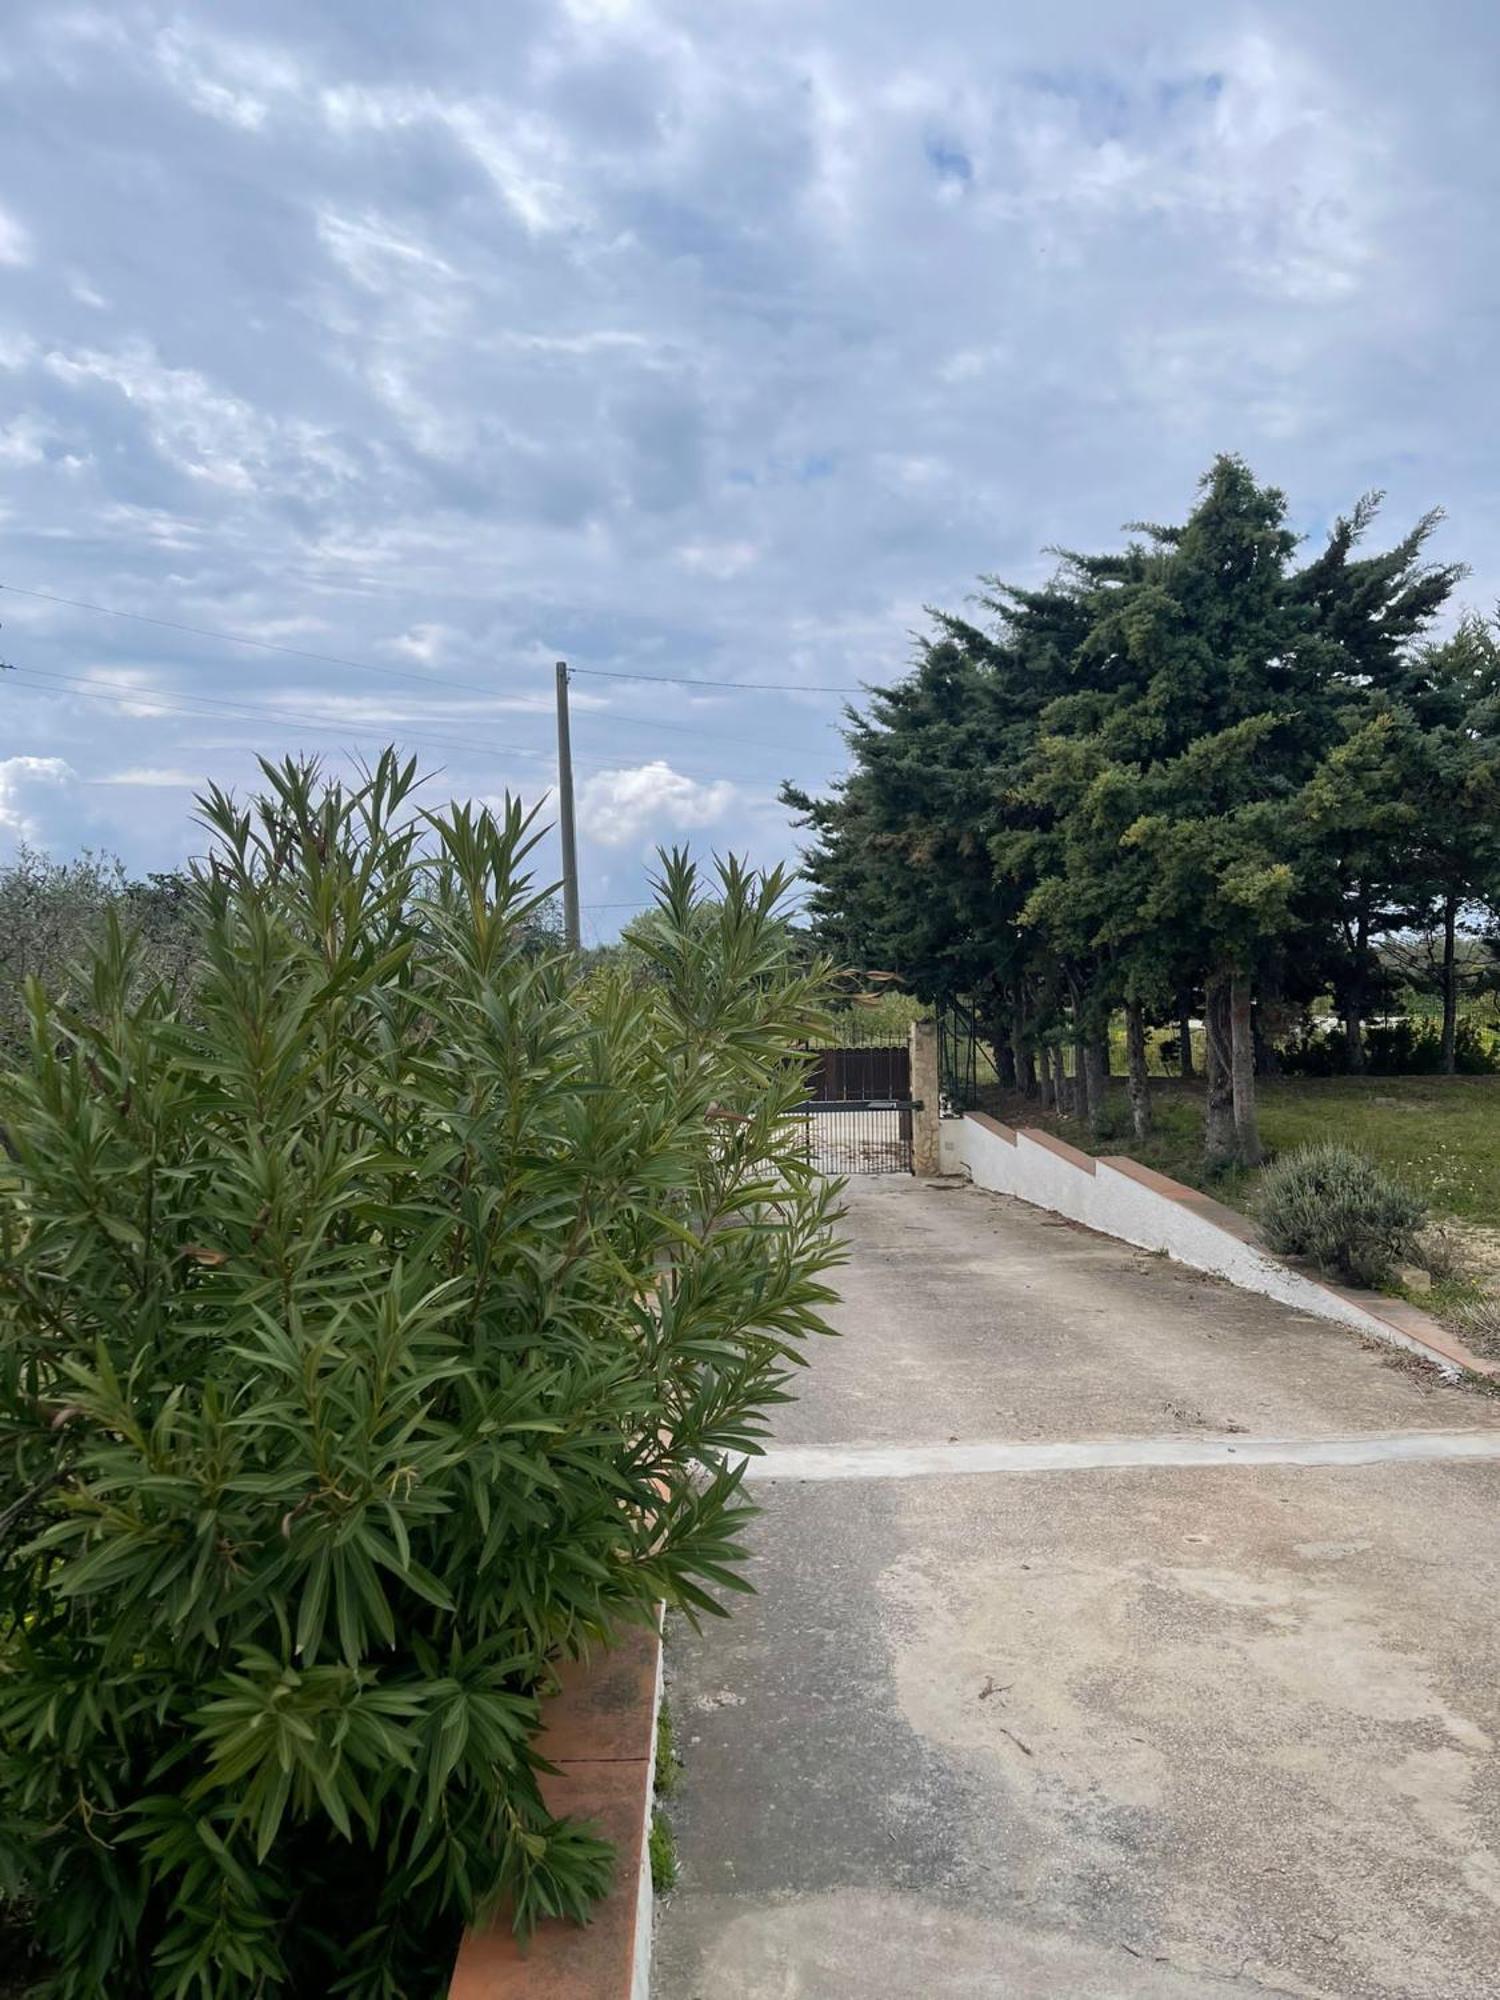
600	1732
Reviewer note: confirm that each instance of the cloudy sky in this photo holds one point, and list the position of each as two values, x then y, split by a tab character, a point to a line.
678	339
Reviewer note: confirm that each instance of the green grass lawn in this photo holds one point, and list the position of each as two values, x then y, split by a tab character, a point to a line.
1440	1134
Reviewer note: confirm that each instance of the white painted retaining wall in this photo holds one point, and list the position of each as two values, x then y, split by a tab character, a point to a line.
1121	1198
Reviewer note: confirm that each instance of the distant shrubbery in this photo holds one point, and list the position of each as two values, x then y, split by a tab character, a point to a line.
372	1334
54	915
1332	1204
1394	1048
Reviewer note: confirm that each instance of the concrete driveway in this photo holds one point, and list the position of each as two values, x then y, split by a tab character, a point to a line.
1205	1705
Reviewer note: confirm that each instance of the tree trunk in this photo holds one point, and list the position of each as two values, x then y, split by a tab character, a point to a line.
1026	1072
1355	1031
1137	1081
1047	1079
1270	1017
1020	1052
1355	997
1004	1059
1185	1036
1354	1027
1242	1071
1096	1082
1450	984
1078	1103
1218	1130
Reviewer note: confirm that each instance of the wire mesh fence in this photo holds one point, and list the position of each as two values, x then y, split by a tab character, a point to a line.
966	1062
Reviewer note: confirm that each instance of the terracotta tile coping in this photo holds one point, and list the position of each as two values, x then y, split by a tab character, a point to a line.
600	1732
1413	1323
1000	1131
1408	1321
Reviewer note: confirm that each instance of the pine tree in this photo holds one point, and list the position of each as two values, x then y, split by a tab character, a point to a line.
1187	766
1453	693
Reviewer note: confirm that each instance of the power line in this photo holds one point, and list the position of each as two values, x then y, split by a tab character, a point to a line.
751	687
426	680
245	639
195	705
618	721
202	709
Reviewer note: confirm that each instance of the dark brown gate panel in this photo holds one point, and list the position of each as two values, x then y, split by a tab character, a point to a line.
838	1075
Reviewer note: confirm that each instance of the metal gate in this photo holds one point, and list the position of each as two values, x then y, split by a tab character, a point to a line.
843	1075
859	1110
860	1135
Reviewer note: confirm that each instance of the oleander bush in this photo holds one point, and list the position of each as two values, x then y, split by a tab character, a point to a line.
373	1336
1333	1204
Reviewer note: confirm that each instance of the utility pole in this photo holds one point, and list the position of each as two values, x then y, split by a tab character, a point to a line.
565	811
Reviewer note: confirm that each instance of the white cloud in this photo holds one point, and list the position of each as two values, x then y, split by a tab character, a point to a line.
212	435
967	364
523	154
22	442
235	82
15	240
377	254
620	806
205	430
718	559
524	159
86	26
426	643
151	527
914	472
448	716
151	778
35	794
1251	148
596	12
132	688
575	345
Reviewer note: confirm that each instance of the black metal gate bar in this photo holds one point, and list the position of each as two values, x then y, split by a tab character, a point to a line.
860	1136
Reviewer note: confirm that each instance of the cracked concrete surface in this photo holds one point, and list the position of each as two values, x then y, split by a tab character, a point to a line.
1116	1731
